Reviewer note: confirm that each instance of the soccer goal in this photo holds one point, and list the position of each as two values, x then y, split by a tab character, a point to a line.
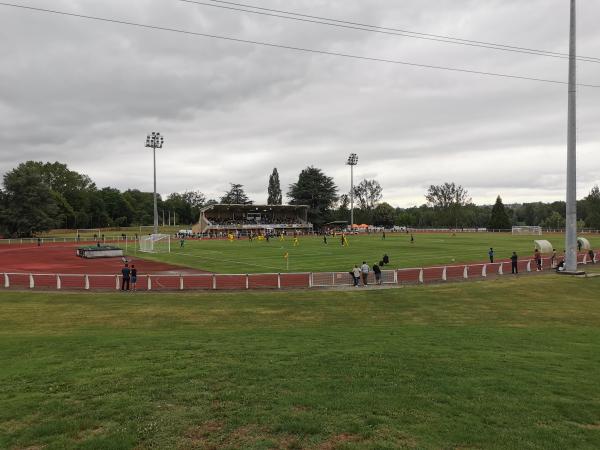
88	233
155	243
527	231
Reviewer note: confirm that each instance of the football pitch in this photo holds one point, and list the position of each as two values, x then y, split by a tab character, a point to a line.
313	255
510	363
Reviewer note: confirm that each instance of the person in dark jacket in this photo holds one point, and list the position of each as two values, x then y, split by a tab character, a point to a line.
133	277
126	273
514	259
377	272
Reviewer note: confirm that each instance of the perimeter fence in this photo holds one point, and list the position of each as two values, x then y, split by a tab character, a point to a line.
208	282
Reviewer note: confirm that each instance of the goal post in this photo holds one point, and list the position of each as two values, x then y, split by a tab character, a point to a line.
527	231
155	243
88	233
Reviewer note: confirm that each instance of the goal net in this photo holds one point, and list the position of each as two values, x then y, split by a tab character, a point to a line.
88	233
155	243
527	231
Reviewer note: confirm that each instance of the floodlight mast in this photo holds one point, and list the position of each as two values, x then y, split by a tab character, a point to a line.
352	161
154	140
571	210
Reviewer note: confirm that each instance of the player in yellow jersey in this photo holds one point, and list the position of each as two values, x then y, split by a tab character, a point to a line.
296	242
344	241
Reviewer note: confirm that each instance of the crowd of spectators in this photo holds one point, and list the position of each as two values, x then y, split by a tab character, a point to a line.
254	221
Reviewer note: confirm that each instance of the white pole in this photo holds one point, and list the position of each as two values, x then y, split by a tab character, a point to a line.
571	222
351	197
155	205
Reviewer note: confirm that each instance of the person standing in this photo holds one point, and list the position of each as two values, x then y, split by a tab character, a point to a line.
553	258
491	255
364	269
325	239
133	277
126	273
537	256
386	259
356	275
383	236
514	259
181	242
377	272
412	239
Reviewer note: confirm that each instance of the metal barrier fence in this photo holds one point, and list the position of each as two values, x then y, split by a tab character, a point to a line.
207	282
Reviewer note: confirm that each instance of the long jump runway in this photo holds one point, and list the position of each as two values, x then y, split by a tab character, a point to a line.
61	258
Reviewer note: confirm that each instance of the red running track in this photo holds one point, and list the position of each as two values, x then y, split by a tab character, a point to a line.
61	258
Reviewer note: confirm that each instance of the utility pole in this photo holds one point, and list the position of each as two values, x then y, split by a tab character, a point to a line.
352	161
571	213
154	141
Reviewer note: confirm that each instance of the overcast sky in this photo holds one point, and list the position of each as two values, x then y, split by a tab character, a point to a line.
86	93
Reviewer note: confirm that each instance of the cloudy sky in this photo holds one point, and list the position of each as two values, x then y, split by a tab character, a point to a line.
86	93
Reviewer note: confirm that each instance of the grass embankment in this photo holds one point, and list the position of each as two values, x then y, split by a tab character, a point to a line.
502	364
312	255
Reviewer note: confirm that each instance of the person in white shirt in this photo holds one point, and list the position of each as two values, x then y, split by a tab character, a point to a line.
365	272
356	274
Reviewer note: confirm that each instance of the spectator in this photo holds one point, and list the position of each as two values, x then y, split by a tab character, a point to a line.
591	256
514	259
365	273
553	258
538	260
133	277
386	259
356	275
377	272
126	272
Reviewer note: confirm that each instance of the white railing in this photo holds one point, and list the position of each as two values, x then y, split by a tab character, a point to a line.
151	282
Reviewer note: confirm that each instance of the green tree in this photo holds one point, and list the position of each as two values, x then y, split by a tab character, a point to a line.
592	202
236	196
449	199
274	189
119	210
367	194
29	205
499	219
142	204
316	190
384	215
554	221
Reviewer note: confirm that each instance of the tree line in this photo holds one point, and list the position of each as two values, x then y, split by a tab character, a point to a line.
36	197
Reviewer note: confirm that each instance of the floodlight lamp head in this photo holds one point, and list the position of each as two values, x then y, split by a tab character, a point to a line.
352	159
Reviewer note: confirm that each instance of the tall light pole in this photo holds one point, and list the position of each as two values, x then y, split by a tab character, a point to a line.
571	213
154	140
352	161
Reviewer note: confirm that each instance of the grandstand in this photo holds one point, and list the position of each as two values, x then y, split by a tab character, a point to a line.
222	219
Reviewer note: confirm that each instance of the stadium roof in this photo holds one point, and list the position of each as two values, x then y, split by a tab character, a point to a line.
249	208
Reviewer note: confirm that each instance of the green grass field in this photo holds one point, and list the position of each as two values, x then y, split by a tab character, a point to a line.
501	364
312	255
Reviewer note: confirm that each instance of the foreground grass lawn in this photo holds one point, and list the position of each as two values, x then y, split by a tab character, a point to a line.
312	255
501	364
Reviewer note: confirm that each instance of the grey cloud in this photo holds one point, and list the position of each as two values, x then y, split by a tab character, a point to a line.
86	93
